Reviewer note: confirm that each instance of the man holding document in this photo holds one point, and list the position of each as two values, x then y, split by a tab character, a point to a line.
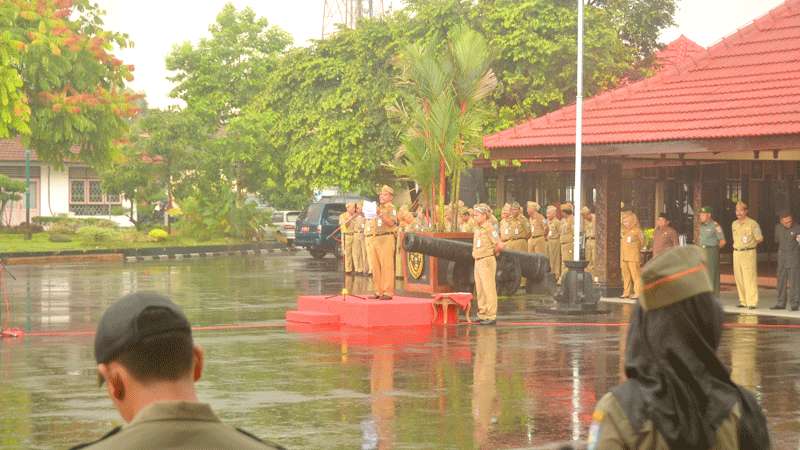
382	226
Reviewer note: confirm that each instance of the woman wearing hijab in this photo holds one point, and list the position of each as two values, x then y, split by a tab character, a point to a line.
678	394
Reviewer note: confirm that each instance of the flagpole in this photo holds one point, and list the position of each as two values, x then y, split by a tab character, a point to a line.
577	192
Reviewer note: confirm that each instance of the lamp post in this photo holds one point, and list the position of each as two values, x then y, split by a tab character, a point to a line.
27	194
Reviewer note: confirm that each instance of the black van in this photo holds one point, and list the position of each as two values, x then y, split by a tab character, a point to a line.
316	228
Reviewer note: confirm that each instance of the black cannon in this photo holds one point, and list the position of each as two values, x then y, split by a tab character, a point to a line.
511	265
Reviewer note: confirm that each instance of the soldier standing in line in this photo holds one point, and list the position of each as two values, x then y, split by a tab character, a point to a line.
589	244
665	237
346	230
359	246
746	237
553	244
567	235
467	225
630	254
485	246
711	240
787	236
536	243
368	233
505	223
520	229
384	229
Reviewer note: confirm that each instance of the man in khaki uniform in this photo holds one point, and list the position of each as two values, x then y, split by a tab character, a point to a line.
589	243
486	245
673	337
147	359
536	243
567	235
359	245
383	228
515	230
368	232
552	238
746	237
630	255
347	231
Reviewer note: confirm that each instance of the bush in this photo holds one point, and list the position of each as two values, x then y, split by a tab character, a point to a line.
23	228
96	222
63	227
94	234
59	238
158	235
118	210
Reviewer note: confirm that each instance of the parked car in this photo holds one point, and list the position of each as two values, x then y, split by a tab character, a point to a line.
317	228
283	224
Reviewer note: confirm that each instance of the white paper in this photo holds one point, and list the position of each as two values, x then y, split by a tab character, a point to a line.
370	210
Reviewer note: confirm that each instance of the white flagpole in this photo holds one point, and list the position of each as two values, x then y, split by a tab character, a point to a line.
576	246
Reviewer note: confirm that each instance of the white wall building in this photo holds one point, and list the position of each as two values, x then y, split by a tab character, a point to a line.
75	189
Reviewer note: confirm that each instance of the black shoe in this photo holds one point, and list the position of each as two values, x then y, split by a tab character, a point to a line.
751	307
376	296
741	306
386	297
487	322
779	307
794	308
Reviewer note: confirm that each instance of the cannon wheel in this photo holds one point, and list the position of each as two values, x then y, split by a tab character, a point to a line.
461	276
508	276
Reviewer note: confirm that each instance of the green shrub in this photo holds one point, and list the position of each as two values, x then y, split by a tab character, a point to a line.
118	210
23	228
97	222
59	238
94	234
63	227
158	235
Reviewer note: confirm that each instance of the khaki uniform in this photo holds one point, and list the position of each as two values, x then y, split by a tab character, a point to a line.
566	238
347	232
611	430
177	425
554	246
746	235
381	250
359	245
369	231
630	256
484	241
590	242
514	232
536	243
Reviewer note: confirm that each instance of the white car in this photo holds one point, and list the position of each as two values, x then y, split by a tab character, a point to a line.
283	222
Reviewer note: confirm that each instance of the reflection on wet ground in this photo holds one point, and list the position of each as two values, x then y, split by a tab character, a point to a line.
455	387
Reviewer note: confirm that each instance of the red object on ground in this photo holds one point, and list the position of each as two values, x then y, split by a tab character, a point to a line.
12	332
365	312
442	302
746	85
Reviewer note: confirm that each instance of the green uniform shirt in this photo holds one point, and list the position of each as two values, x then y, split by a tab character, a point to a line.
177	425
611	430
710	234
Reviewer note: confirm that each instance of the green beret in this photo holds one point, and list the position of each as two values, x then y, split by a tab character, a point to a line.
705	209
677	275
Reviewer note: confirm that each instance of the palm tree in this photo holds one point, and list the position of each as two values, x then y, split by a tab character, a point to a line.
442	106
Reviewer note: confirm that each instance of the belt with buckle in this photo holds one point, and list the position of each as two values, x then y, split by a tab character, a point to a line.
744	249
709	246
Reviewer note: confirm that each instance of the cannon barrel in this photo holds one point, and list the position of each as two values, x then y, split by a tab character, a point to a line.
458	251
511	265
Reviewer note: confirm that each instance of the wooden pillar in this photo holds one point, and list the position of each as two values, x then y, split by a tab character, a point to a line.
501	188
659	203
697	202
608	178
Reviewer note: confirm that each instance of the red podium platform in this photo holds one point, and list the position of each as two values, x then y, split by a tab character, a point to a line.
367	313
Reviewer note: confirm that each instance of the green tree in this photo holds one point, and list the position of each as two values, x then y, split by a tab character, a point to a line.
10	191
60	84
444	111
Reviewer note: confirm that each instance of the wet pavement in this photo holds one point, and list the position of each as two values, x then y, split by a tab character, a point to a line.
529	381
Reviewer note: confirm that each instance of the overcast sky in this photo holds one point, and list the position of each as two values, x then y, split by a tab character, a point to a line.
156	25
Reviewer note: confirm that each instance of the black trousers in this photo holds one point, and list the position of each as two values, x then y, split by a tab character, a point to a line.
788	283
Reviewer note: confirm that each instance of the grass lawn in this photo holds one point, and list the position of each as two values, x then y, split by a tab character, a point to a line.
13	243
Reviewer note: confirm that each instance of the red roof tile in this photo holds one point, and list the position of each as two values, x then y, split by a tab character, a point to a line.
13	150
746	85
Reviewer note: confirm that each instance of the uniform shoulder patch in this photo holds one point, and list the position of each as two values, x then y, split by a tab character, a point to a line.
105	436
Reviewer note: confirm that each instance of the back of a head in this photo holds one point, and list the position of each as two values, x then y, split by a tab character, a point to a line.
149	335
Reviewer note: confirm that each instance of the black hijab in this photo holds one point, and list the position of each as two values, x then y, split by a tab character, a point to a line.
676	379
